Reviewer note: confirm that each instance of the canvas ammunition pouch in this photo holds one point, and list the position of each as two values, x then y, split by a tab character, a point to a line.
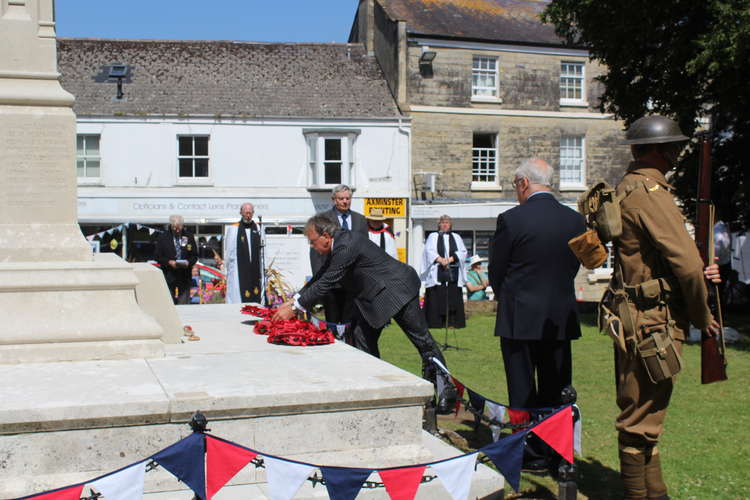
600	206
589	249
652	344
658	354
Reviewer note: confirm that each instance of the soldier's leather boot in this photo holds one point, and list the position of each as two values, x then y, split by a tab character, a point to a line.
655	486
633	472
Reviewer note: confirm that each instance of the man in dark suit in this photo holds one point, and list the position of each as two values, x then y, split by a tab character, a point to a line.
381	288
337	304
177	253
531	271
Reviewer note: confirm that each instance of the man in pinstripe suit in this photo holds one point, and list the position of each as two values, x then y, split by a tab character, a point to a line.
381	287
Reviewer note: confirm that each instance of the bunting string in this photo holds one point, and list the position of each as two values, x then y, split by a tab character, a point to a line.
205	463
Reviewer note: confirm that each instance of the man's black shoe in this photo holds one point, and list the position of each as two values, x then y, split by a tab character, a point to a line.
447	400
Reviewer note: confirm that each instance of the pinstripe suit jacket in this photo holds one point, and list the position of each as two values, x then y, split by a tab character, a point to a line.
379	284
358	224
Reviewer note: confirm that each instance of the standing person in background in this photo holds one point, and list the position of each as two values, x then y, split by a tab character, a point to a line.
337	304
444	276
177	253
244	268
531	272
476	280
380	233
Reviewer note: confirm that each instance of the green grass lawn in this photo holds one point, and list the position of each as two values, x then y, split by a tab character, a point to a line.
705	448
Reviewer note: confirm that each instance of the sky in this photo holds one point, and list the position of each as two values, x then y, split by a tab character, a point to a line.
246	20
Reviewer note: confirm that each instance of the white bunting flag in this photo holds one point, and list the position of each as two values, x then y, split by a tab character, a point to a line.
151	231
126	484
577	428
341	329
456	475
497	412
285	478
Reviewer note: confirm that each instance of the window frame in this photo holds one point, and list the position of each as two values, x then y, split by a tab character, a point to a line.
315	140
579	185
495	91
194	180
568	101
479	185
86	158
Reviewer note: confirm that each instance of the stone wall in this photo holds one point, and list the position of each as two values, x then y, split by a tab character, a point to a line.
443	143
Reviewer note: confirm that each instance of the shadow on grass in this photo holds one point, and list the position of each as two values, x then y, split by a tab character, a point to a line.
596	480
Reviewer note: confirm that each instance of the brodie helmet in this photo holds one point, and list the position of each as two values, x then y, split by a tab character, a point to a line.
654	129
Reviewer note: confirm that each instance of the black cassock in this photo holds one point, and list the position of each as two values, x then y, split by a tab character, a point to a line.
248	266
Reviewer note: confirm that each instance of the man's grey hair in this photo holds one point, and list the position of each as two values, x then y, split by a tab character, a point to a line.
445	217
246	204
339	188
321	224
536	170
176	219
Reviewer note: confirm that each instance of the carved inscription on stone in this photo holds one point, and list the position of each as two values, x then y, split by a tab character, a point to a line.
37	168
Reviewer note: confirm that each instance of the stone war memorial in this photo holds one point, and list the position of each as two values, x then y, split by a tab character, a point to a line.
93	376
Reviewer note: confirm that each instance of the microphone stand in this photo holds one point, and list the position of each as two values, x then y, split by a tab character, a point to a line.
446	345
262	252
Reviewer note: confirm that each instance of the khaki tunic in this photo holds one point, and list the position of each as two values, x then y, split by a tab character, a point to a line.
654	244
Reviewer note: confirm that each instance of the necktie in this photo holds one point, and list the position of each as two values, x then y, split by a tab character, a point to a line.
344	223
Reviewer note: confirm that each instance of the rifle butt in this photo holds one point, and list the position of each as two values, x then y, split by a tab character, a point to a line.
713	362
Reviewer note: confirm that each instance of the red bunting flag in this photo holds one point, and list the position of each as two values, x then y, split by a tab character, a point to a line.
402	484
460	390
518	417
223	462
557	431
72	493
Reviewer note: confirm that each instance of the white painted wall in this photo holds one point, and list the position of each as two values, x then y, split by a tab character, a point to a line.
264	156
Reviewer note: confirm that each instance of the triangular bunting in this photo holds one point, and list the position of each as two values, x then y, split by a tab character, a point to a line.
557	431
341	329
71	493
223	462
476	400
285	478
507	455
402	484
496	412
456	475
517	417
185	459
460	390
344	483
125	484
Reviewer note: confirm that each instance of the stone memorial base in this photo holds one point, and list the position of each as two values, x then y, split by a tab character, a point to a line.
61	423
74	310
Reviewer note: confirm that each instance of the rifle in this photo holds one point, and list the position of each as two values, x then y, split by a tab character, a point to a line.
713	349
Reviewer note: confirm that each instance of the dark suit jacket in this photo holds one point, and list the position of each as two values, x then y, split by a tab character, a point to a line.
165	251
357	224
532	270
379	284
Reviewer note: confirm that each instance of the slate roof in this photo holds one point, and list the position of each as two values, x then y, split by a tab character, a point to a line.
511	21
232	79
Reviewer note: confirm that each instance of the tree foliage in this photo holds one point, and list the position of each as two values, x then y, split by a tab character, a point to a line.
687	59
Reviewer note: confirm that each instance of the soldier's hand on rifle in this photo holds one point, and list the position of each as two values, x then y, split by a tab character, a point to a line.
712	273
713	329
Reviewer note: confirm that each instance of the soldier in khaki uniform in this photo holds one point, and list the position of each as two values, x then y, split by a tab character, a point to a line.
663	276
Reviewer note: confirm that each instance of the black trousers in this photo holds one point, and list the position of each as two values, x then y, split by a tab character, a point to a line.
412	322
338	306
536	371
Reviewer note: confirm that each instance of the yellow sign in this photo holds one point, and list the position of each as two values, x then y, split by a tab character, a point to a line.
401	252
392	207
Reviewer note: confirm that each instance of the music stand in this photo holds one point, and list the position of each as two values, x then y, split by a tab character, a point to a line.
446	345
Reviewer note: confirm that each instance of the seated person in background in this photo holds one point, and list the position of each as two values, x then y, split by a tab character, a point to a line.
476	279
